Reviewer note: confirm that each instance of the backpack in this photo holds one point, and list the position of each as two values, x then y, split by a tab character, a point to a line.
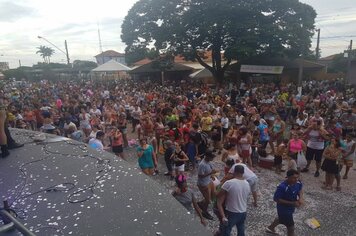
204	139
176	134
195	137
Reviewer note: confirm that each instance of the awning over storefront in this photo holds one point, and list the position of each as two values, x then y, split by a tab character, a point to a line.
262	69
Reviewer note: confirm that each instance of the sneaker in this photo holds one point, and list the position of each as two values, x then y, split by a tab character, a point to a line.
305	170
207	216
317	174
167	174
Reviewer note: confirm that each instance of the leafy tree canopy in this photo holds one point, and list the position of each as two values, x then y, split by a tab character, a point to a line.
139	52
236	28
45	53
79	64
41	65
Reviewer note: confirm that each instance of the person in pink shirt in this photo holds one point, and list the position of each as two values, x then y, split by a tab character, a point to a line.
59	104
296	145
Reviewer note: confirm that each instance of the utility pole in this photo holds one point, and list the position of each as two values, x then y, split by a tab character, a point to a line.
19	63
349	58
300	72
317	53
100	46
67	54
64	52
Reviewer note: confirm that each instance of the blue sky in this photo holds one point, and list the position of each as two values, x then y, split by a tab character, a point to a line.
77	22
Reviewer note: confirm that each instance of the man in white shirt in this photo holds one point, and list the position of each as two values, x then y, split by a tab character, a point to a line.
235	194
249	176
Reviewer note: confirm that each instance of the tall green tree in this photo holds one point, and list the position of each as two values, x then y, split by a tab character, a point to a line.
229	29
137	53
79	64
45	53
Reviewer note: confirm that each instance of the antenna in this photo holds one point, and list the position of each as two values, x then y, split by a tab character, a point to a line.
100	45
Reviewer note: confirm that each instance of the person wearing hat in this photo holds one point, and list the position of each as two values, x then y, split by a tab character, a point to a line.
205	183
288	196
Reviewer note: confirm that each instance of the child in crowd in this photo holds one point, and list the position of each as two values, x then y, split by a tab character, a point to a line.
349	154
278	157
291	163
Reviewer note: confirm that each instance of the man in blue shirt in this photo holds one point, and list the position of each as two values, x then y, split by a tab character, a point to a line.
288	196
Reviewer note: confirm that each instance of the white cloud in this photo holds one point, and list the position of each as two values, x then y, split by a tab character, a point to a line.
76	21
72	20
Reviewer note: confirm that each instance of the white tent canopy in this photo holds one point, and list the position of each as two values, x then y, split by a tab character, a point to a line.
111	66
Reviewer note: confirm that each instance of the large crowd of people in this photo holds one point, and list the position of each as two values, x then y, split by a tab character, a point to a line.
191	124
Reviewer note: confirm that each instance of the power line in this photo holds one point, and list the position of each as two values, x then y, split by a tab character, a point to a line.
337	36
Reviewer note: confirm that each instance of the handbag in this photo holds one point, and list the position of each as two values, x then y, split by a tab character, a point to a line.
301	160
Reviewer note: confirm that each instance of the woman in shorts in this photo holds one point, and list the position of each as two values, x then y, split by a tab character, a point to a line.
331	164
179	158
349	155
146	157
117	143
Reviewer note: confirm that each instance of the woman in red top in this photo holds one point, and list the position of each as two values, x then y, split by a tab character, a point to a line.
95	120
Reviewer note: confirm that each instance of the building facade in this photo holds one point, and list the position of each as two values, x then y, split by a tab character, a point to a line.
110	55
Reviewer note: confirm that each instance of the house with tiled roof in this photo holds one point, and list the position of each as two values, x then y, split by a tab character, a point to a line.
180	59
109	55
326	61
